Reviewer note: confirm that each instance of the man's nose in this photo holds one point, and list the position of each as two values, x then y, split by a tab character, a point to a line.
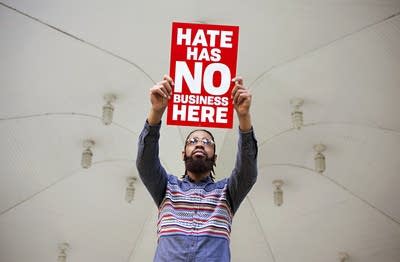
199	144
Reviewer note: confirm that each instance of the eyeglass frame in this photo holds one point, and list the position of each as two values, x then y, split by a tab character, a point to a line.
204	141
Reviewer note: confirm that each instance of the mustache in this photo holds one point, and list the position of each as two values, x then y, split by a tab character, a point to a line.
191	158
199	165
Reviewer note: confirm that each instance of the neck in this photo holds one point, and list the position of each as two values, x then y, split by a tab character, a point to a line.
197	177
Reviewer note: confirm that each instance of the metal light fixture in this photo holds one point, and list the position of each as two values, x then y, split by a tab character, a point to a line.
62	252
108	108
319	158
343	256
87	154
278	192
130	189
297	114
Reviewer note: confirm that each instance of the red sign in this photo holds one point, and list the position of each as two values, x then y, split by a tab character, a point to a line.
203	63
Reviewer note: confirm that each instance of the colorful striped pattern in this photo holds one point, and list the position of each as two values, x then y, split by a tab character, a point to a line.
194	212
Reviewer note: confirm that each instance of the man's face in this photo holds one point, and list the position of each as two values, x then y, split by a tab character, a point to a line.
199	155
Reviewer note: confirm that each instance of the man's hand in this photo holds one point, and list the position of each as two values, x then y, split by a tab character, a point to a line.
242	102
241	97
160	93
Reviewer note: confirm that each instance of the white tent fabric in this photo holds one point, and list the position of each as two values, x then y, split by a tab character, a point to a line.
59	58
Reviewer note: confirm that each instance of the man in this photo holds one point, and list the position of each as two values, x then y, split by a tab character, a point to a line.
195	213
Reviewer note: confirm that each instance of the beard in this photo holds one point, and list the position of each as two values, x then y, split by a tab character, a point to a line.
199	165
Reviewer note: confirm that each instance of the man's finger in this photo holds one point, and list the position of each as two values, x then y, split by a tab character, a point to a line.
243	97
238	80
237	95
158	89
169	79
235	89
165	86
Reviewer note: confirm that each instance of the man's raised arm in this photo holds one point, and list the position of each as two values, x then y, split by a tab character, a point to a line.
244	174
151	172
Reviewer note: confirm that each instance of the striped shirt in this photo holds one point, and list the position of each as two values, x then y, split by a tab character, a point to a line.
201	209
194	221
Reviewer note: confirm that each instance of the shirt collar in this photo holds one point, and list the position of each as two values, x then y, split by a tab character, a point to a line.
207	179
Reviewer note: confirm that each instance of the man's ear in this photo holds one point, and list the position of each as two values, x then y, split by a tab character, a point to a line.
215	157
183	155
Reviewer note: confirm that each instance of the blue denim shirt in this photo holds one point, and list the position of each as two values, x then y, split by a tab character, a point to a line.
195	219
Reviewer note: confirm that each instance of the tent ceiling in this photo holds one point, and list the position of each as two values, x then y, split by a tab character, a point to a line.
59	58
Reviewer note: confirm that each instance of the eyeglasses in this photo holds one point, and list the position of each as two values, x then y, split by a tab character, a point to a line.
204	141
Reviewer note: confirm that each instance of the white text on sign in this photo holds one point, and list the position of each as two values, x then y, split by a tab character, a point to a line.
203	61
205	38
